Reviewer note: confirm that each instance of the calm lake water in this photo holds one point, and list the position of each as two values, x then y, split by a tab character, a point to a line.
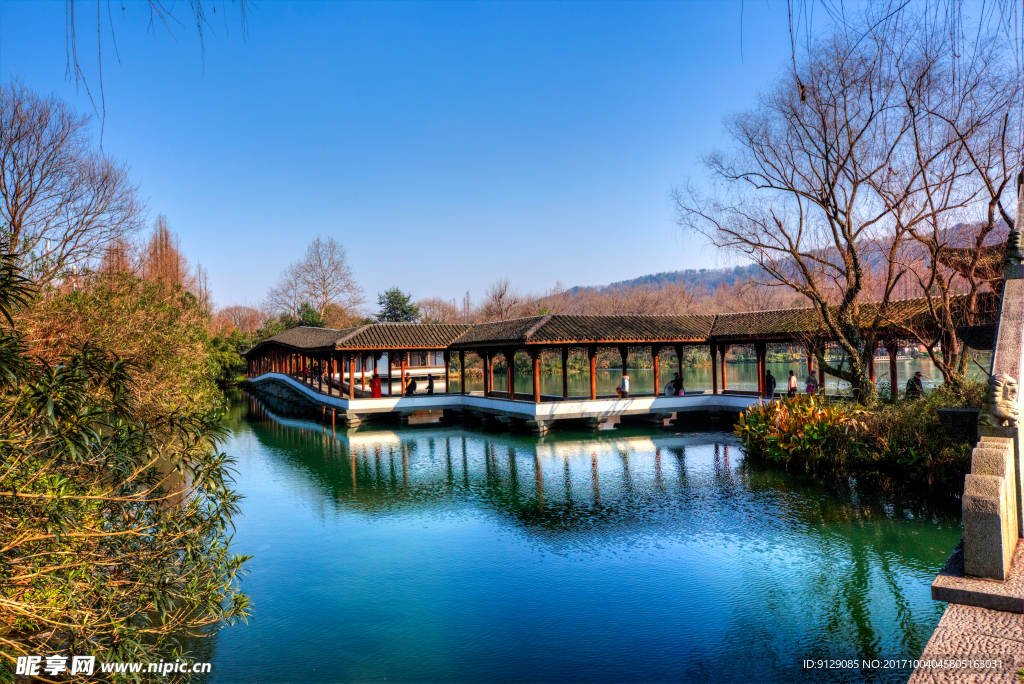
431	554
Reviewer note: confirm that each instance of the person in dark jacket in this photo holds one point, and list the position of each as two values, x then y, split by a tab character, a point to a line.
430	385
769	384
915	389
410	389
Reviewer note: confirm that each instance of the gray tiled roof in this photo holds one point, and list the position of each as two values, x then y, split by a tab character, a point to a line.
588	330
780	324
625	328
497	332
402	336
303	338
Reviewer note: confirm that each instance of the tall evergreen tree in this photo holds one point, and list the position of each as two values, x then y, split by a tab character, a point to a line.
397	307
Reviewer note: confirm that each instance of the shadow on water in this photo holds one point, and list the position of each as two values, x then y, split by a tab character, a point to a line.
622	555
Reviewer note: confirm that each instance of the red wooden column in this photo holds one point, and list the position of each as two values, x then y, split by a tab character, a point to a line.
592	353
351	376
404	356
723	348
760	351
489	370
655	351
535	356
565	372
391	357
510	365
447	358
487	378
713	349
893	348
624	355
871	366
362	369
462	371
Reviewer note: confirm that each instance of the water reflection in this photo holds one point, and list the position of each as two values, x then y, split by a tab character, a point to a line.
616	556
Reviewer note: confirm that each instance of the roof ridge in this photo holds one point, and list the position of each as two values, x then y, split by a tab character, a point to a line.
346	338
536	326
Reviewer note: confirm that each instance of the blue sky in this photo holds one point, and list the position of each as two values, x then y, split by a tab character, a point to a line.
445	144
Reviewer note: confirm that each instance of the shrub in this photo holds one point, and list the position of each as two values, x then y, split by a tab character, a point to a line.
906	436
807	430
114	529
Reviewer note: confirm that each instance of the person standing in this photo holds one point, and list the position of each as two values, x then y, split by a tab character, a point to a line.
375	386
769	385
430	385
915	388
624	387
791	387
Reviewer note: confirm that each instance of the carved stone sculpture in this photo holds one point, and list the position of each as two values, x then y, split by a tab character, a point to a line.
1001	406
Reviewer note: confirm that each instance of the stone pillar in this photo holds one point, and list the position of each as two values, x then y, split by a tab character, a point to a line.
989	503
592	353
992	491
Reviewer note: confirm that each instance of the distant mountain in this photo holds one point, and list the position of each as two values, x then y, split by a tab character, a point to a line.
708	278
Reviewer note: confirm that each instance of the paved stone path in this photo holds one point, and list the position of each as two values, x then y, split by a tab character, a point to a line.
978	634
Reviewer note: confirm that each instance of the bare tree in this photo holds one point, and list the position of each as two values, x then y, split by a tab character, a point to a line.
799	188
502	301
966	142
437	310
247	319
322	277
62	204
